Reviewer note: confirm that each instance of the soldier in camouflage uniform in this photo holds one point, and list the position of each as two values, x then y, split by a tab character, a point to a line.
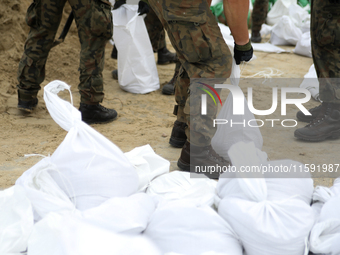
94	22
258	17
204	57
325	35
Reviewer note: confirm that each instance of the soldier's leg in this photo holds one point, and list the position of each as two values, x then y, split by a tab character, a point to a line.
325	48
43	17
258	17
94	23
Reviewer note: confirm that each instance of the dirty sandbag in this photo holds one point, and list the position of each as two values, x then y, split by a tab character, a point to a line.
16	220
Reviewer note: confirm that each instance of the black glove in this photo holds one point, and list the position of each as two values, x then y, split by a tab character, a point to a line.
243	52
118	4
143	8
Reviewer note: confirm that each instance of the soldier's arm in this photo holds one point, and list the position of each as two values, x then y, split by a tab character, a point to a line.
236	13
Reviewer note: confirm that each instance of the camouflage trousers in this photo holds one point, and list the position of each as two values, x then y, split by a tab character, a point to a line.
204	58
325	35
259	14
94	22
155	30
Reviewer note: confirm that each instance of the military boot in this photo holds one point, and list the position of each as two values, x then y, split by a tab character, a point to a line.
114	74
27	101
166	57
114	53
178	136
325	125
308	118
169	88
204	160
96	114
256	37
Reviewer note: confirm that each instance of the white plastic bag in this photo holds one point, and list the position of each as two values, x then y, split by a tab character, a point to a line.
68	235
280	8
178	185
285	32
229	134
147	164
16	220
89	168
303	46
137	71
185	228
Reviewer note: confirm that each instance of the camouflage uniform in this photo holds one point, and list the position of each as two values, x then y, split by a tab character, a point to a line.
259	14
204	57
325	35
94	23
155	30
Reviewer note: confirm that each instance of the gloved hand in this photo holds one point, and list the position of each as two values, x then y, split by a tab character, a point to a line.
243	52
118	4
143	8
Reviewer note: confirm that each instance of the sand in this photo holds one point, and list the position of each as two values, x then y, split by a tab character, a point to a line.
142	119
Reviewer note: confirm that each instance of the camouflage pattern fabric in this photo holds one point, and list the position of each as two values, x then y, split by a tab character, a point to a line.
325	34
155	30
94	22
259	15
202	52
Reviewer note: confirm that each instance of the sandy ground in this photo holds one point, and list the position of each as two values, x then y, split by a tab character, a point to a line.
143	119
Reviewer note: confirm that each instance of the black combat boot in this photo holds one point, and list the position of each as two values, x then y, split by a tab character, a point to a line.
114	74
27	101
96	114
178	136
169	88
166	57
202	160
255	37
325	125
308	118
114	53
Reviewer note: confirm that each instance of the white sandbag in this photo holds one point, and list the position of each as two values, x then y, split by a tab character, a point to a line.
178	185
16	220
269	227
280	8
303	46
185	228
327	230
267	47
137	71
228	134
147	164
285	32
68	235
269	218
44	193
300	17
123	215
276	180
90	168
311	83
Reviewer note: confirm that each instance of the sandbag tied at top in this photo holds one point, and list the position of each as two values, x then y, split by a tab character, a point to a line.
270	215
86	166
